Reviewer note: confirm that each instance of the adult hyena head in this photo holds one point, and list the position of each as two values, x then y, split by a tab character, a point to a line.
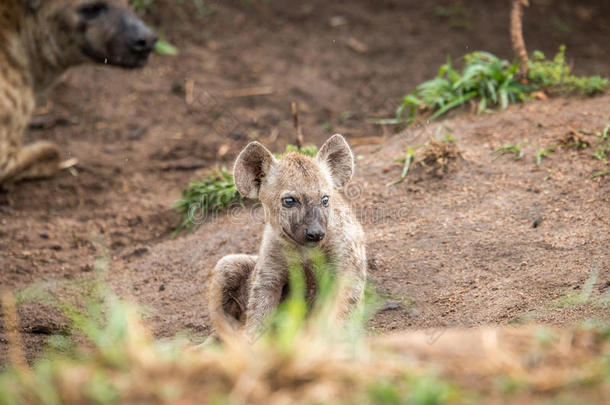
69	32
298	192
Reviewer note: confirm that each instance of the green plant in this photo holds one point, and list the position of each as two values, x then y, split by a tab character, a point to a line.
409	155
601	173
603	148
516	150
165	48
485	78
216	191
456	15
554	76
604	134
303	356
545	152
141	4
307	150
492	82
601	152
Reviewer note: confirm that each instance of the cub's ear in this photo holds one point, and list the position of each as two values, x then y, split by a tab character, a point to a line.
337	156
251	167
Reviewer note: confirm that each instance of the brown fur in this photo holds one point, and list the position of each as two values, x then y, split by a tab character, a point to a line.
39	41
245	289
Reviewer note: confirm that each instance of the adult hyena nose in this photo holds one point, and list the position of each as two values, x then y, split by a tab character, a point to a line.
314	233
140	38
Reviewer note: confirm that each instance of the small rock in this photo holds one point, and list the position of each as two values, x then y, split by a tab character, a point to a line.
391	306
136	252
337	21
537	222
162	287
136	133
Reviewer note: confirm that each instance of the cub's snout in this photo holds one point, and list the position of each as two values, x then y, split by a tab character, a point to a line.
314	234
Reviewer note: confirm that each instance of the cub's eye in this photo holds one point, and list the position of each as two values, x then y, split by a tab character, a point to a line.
289	202
93	10
325	201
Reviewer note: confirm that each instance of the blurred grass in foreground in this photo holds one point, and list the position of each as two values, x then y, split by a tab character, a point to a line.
110	357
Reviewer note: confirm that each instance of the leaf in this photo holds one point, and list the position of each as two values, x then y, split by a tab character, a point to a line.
165	48
409	155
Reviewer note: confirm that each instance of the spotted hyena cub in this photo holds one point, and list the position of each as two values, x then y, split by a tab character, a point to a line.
39	41
304	213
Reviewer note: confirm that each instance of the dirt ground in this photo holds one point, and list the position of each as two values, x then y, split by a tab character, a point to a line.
459	249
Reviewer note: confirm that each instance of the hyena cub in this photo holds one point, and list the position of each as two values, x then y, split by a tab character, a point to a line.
39	41
304	212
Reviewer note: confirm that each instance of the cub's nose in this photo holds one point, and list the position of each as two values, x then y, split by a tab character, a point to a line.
140	38
315	234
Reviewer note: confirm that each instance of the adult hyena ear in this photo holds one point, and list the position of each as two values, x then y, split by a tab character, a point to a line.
251	167
338	157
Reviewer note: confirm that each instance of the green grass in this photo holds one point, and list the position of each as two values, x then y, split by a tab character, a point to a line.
407	160
516	150
603	147
303	356
216	192
600	173
491	82
110	358
165	48
545	152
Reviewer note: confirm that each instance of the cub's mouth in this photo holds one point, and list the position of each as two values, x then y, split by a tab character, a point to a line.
305	243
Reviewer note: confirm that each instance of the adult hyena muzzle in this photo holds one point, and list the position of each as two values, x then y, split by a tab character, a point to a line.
114	35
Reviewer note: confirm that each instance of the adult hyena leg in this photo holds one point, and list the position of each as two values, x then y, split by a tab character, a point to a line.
228	291
36	160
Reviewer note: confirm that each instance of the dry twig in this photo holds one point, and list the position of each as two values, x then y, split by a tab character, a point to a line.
516	33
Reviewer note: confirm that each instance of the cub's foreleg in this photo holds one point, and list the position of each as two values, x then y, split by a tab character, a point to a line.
228	292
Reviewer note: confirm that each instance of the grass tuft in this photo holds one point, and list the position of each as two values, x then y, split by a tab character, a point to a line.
215	192
545	152
303	357
434	154
516	150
